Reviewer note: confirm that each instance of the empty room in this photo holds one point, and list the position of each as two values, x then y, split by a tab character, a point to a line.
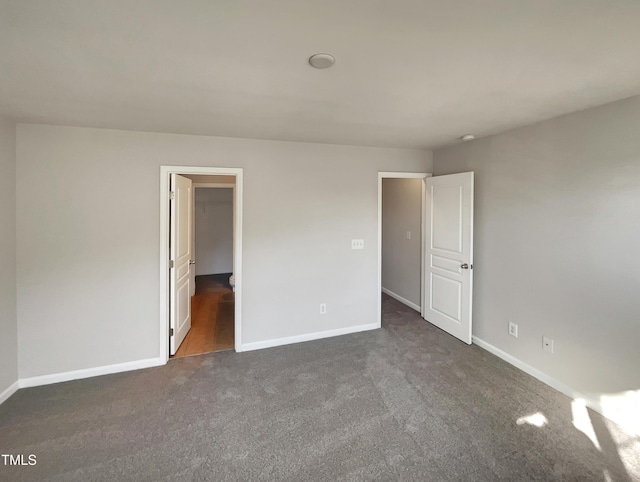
296	240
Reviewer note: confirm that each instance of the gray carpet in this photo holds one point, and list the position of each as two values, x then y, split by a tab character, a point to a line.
407	402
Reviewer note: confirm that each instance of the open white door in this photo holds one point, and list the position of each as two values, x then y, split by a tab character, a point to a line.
180	257
449	253
192	268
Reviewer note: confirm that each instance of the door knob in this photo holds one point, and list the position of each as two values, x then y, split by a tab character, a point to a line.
464	266
192	261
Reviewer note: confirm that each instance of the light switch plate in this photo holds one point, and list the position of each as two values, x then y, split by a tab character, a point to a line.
357	244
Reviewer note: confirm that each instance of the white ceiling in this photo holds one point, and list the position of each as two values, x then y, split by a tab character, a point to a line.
409	73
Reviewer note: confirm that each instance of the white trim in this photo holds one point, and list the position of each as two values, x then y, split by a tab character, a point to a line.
90	372
403	175
402	300
258	345
165	171
423	247
398	175
216	185
10	390
543	377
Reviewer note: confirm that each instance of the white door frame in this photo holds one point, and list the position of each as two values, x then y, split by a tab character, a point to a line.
165	171
400	175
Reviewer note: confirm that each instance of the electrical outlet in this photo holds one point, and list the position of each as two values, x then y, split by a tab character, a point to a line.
547	344
513	329
323	308
408	234
357	244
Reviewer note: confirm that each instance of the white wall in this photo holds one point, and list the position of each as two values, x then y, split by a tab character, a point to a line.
557	233
88	238
402	257
8	326
214	230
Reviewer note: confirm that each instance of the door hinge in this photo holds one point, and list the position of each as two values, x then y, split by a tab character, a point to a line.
172	195
171	263
170	331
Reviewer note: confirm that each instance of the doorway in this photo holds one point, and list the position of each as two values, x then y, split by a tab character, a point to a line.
212	288
402	211
401	201
215	296
446	262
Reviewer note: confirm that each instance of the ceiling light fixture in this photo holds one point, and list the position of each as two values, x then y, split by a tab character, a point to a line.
322	61
468	137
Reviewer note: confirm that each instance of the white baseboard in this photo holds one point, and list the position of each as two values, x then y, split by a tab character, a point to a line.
402	300
543	377
10	390
307	337
89	372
